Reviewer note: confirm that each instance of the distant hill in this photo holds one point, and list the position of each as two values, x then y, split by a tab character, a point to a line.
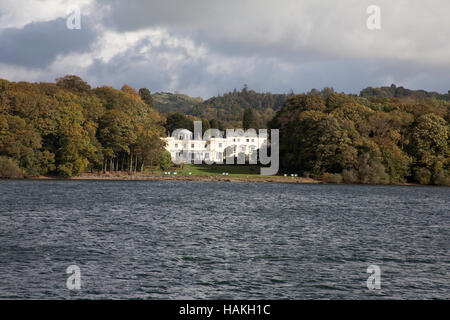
399	92
227	108
166	102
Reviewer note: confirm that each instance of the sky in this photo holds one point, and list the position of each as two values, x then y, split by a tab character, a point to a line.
209	47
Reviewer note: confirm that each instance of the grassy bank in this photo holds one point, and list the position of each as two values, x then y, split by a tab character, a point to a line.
219	170
236	173
193	173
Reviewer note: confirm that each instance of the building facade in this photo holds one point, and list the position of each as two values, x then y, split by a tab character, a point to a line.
184	148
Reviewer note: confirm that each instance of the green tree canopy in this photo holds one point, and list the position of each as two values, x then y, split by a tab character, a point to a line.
146	96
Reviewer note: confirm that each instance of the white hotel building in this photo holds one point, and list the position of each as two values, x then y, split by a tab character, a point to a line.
184	148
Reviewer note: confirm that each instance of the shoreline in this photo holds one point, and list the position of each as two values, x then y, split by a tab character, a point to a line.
149	177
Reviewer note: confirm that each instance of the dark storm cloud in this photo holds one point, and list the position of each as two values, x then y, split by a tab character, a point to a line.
193	77
207	47
229	27
38	44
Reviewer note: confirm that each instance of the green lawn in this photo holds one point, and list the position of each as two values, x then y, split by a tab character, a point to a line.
217	170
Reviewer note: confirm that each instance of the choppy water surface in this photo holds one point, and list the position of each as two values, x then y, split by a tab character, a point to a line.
222	240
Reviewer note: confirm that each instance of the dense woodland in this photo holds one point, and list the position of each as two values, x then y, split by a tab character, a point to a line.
351	139
384	135
227	109
66	128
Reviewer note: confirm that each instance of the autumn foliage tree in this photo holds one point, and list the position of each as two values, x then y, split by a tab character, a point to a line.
67	128
365	140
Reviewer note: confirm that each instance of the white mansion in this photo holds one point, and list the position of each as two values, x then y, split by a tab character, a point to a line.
184	148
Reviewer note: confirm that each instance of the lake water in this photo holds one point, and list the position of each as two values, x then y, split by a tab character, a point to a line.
222	240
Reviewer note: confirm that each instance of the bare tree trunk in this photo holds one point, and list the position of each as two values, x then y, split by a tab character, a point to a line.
123	160
131	163
142	166
135	167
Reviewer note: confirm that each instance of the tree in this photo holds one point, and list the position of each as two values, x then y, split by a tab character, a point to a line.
429	146
376	140
72	82
388	134
129	90
214	124
146	96
303	102
429	139
8	169
396	162
165	161
178	121
248	120
205	125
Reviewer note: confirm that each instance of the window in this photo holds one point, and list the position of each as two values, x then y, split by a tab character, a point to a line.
234	140
239	140
243	148
176	145
253	140
248	140
192	146
206	146
220	145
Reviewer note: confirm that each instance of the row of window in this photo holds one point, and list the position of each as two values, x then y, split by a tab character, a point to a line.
243	148
220	144
239	140
193	146
197	155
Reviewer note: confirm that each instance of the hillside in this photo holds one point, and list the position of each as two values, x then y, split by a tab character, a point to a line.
399	92
227	108
166	102
68	128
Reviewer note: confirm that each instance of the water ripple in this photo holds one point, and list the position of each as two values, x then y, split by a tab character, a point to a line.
221	240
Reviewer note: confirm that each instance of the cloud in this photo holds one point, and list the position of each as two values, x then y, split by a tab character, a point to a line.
38	44
411	30
209	47
19	13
